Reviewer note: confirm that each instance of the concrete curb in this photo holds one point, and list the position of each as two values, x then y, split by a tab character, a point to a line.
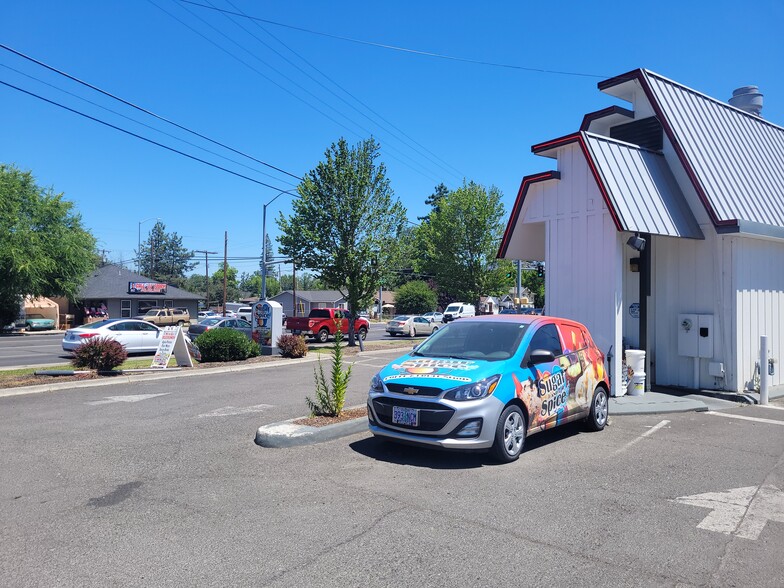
162	375
287	434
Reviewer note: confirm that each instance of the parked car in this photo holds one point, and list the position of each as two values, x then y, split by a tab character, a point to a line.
135	335
487	382
203	314
245	313
218	322
458	310
412	325
321	324
164	317
434	317
38	322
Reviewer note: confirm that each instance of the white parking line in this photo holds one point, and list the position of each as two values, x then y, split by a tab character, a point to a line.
650	431
771	406
745	418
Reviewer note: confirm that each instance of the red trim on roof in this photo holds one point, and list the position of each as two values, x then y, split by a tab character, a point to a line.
639	75
578	137
518	205
605	112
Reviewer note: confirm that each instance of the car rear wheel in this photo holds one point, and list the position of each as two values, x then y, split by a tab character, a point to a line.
509	435
434	330
180	323
597	418
323	335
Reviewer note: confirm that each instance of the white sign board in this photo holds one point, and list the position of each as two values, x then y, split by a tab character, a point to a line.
173	341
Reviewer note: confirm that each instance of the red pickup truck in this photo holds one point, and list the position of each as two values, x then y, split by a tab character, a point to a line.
321	324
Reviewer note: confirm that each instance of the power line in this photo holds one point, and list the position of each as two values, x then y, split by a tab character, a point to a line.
336	95
215	153
291	93
396	48
144	110
127	132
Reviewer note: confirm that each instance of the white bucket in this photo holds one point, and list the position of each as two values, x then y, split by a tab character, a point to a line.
635	359
637	384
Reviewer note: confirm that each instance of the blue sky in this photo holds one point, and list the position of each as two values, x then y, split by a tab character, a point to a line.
442	119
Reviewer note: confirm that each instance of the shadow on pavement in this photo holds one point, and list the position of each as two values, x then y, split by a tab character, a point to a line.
441	459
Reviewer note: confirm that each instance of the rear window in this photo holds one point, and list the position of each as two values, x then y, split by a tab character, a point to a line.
320	313
245	309
211	321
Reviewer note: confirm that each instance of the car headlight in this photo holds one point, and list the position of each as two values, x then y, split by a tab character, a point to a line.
474	391
376	385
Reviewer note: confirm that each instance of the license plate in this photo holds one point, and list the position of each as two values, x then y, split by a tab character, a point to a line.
405	416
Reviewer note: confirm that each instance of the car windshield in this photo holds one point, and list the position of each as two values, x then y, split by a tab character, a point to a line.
452	308
211	321
491	341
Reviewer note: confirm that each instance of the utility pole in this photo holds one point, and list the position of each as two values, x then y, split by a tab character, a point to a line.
294	283
225	260
207	272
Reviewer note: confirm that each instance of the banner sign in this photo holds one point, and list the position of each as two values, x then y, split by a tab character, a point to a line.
146	288
174	341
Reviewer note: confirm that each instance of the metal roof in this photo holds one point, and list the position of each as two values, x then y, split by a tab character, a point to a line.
734	159
641	188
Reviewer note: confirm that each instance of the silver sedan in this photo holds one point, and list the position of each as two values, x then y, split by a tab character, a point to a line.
411	325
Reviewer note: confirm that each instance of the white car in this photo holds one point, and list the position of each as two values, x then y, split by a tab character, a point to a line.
433	317
135	335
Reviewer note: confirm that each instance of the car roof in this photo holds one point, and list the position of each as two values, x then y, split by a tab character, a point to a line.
523	319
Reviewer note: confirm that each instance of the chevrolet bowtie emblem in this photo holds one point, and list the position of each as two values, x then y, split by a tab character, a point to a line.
411	390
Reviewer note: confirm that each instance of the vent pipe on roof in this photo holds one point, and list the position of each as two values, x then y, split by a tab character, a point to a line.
748	99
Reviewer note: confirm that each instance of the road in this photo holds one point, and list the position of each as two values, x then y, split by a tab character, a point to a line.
160	484
46	349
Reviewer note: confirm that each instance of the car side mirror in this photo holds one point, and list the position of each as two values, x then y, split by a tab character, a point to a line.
541	356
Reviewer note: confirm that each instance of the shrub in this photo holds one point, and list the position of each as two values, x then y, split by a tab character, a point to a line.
331	394
415	298
99	353
225	345
292	346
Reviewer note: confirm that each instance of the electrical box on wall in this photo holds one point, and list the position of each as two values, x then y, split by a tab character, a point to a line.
695	335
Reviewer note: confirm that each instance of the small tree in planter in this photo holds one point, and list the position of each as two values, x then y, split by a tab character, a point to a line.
331	393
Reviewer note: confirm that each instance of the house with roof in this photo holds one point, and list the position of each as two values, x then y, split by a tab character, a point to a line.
111	291
662	228
306	300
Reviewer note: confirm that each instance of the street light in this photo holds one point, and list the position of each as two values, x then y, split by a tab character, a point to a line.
264	244
139	242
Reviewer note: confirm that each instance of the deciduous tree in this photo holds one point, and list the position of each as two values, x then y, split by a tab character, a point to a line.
459	243
44	249
415	298
345	222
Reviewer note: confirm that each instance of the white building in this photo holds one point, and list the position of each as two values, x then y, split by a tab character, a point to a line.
702	183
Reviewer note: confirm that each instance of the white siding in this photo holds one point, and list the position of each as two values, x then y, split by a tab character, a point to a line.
759	304
689	276
583	252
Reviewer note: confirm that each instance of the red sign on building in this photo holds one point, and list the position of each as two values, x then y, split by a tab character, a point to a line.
146	288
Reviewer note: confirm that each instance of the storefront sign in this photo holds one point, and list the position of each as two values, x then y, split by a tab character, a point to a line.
146	288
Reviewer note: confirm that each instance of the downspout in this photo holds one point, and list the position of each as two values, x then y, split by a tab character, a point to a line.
645	291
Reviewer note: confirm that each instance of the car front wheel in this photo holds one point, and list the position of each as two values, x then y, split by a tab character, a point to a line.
597	418
363	333
509	435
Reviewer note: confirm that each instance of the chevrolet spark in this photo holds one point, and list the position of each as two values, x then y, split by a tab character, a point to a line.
487	382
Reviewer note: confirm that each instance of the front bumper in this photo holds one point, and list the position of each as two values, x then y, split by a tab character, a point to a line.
440	420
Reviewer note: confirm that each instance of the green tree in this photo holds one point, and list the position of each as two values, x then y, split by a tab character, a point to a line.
460	244
305	281
195	283
232	287
163	258
415	298
250	284
345	222
44	249
434	199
